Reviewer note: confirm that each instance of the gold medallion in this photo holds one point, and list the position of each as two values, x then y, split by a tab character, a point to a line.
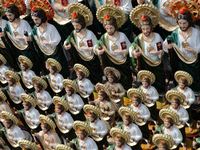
114	47
42	38
150	48
15	33
185	44
81	43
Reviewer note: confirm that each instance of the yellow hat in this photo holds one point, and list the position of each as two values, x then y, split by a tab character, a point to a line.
131	93
80	125
168	113
109	70
69	83
142	74
27	144
44	119
180	75
52	62
60	101
171	95
11	74
123	111
24	59
91	108
28	98
116	133
158	138
36	80
63	147
3	59
7	115
3	96
79	67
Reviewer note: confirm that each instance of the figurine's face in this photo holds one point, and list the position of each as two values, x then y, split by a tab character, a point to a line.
110	80
146	30
145	84
58	110
10	82
69	93
37	89
7	124
110	29
174	105
52	72
77	27
23	67
79	76
37	21
118	143
167	124
181	85
101	98
183	24
45	130
126	121
91	118
25	106
10	16
140	2
135	103
81	135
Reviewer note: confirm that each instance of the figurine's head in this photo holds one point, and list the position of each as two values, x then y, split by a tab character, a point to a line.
11	81
92	116
146	82
126	119
45	127
184	19
24	66
69	90
112	78
175	103
102	95
119	141
59	108
168	122
136	100
140	2
53	70
110	25
146	25
182	83
11	12
8	123
163	146
38	87
81	133
78	22
38	15
27	105
80	75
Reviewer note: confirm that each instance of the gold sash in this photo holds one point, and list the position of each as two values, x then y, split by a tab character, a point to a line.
14	144
2	44
29	86
16	44
82	55
60	20
167	25
62	129
45	51
56	90
182	57
114	59
14	100
31	125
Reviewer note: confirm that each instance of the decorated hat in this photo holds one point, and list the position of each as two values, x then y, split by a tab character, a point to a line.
88	109
80	125
73	9
180	75
133	92
3	59
59	100
172	95
160	139
44	119
124	111
27	98
52	62
11	74
3	96
168	113
37	80
63	147
118	133
79	67
182	6
23	59
142	74
109	70
69	83
106	11
141	11
42	4
5	115
99	87
20	4
27	144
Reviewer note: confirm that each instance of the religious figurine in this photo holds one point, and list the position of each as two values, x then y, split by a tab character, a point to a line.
176	99
3	105
83	142
27	145
163	142
3	68
74	101
143	114
43	98
129	117
147	47
183	44
85	85
105	105
114	89
26	72
147	78
113	45
170	118
48	137
54	78
11	133
14	90
99	129
29	114
45	37
62	118
120	137
81	41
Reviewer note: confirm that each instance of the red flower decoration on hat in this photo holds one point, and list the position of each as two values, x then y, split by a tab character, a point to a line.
182	11
166	117
5	119
181	79
117	136
143	18
79	129
24	101
109	74
21	62
35	83
99	91
107	17
34	9
50	65
174	98
161	143
67	86
8	77
78	71
7	5
42	122
89	112
124	115
144	78
133	96
56	104
74	15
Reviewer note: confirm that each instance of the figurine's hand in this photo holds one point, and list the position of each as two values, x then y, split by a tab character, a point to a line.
120	51
136	53
67	46
1	34
155	53
46	43
190	50
100	52
27	38
168	46
20	37
85	48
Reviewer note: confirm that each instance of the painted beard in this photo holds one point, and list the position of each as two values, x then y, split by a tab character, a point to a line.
111	33
79	30
37	25
184	29
12	19
147	34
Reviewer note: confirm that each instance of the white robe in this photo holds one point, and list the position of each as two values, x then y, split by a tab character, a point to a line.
3	23
16	133
57	79
5	107
33	114
66	119
17	90
46	98
3	68
189	94
175	133
89	144
124	147
153	43
87	86
76	100
28	75
24	26
51	35
99	127
143	111
152	93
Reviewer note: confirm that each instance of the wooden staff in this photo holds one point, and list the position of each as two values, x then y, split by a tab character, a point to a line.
102	59
70	54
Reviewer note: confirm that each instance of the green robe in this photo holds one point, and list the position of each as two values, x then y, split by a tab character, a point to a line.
124	69
158	71
93	65
57	55
193	69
